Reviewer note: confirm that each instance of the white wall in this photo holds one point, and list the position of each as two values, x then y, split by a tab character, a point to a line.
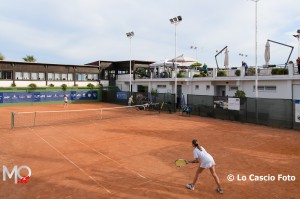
5	83
283	89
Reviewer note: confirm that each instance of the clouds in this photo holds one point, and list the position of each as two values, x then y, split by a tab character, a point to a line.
81	31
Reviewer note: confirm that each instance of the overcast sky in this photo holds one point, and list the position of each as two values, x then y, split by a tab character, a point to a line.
82	31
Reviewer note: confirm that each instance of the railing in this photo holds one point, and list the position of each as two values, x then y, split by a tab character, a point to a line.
214	73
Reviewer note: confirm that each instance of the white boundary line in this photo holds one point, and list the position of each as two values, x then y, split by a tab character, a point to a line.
99	153
70	161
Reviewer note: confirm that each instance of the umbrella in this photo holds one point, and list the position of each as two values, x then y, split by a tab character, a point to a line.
226	61
267	53
182	58
162	63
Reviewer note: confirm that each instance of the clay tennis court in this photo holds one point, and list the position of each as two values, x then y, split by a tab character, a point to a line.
133	157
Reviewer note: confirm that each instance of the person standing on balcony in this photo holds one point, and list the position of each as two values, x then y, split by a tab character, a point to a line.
244	64
298	64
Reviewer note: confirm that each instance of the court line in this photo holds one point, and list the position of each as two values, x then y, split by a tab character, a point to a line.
99	153
70	161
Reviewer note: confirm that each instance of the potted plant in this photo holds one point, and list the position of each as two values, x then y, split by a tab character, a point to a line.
221	73
64	87
237	72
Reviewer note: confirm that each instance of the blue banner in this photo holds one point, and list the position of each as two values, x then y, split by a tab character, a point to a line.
23	97
122	95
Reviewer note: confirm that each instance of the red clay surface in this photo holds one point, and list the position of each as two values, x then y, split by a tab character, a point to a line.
133	157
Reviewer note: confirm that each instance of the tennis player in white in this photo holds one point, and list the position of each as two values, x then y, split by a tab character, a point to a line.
206	162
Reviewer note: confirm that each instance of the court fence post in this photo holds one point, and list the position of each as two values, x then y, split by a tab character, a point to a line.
12	120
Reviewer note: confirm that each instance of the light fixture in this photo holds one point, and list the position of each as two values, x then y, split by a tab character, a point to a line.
175	21
130	35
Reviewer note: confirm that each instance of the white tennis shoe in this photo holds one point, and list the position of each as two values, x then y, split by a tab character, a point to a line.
190	186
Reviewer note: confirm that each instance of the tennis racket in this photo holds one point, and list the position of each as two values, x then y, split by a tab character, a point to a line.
180	163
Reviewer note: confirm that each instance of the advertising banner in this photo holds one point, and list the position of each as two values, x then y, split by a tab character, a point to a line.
23	97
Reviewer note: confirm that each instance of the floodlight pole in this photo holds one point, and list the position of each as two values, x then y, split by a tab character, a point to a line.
256	75
175	21
130	35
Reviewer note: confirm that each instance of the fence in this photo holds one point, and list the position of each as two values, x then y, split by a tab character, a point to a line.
279	113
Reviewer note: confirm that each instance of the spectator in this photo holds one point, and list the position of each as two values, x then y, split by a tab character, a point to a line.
298	64
244	64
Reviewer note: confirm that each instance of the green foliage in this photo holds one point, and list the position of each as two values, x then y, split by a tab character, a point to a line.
2	57
180	75
51	85
13	85
251	71
29	58
141	72
154	91
64	87
221	73
90	86
196	64
279	71
237	72
240	94
32	86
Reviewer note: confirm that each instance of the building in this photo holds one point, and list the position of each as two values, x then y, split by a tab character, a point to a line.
145	78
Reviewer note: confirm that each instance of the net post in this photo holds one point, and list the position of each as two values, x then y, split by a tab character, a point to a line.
34	118
12	120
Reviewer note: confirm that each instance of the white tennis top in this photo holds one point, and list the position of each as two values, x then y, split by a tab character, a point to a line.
205	158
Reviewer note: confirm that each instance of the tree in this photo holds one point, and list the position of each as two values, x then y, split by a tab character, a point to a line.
90	86
64	87
29	58
2	57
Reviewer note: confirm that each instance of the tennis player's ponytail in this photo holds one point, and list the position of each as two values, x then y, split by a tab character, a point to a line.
195	143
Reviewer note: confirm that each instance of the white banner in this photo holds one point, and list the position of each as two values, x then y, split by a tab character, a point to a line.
234	104
297	110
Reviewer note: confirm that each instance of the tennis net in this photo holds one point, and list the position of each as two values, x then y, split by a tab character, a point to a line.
42	118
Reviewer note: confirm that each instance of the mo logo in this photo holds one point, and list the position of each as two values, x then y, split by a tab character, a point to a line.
16	173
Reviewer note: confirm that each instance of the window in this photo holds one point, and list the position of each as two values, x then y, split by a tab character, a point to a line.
64	76
90	77
207	87
57	76
70	76
5	74
266	88
161	86
34	76
233	88
50	76
26	75
270	88
95	77
19	75
79	77
83	77
197	87
41	76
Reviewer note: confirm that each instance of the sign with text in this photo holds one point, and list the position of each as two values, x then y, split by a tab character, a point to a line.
234	104
23	97
297	110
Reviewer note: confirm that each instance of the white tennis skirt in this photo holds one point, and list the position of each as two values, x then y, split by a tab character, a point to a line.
207	164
